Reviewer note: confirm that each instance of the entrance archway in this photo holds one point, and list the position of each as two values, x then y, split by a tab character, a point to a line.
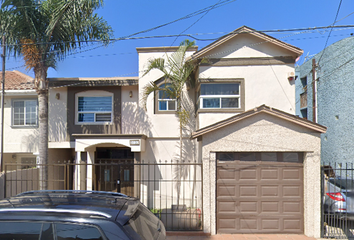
114	170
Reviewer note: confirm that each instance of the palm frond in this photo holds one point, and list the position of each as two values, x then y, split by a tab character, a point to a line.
177	73
63	25
156	63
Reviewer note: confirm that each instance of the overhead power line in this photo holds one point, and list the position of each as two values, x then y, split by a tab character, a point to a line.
193	36
196	21
335	19
196	13
283	30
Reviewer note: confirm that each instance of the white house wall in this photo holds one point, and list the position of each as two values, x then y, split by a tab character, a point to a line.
57	119
247	46
263	84
162	146
131	116
163	152
162	130
18	139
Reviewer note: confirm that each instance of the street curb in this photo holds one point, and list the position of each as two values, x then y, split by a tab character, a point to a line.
187	233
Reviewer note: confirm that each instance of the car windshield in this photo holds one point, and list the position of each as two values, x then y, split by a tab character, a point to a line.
344	183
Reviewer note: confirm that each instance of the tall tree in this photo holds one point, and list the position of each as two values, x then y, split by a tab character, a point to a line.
177	73
43	32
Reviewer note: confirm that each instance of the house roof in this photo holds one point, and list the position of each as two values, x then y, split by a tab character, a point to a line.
244	29
93	82
261	109
15	80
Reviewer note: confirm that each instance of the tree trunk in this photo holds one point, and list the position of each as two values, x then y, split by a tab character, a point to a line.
42	90
179	166
179	110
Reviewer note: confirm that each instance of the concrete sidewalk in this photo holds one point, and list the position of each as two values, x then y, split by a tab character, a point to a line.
171	236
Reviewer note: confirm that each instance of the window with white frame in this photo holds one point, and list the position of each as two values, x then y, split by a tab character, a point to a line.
94	108
24	112
219	96
165	101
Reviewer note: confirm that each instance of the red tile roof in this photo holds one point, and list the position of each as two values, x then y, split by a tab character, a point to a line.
15	80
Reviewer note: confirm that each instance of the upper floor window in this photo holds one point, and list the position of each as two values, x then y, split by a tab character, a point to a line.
24	112
94	108
219	96
165	100
304	82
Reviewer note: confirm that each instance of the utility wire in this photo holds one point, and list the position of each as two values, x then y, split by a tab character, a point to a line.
209	56
196	21
206	56
211	39
345	17
207	9
308	30
335	19
337	68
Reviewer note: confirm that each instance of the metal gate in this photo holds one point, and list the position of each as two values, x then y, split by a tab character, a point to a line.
337	200
171	190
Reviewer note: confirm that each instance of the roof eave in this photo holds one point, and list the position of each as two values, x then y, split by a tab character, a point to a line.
262	109
245	29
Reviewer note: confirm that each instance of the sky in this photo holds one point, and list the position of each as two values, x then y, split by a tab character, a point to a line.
120	58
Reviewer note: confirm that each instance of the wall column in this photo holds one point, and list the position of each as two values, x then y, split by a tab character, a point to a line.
90	161
77	171
137	174
206	195
212	169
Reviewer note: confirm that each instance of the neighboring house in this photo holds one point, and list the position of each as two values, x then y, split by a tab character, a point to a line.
333	98
20	120
260	164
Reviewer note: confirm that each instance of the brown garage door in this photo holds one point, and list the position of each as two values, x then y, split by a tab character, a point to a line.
259	193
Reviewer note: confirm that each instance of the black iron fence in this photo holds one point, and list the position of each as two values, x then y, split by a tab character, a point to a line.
172	190
338	200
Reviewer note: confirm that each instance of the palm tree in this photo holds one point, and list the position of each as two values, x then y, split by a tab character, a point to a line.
177	73
44	31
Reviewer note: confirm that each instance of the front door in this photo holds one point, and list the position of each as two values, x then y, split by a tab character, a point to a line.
114	170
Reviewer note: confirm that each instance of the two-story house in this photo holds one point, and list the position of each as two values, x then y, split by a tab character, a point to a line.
257	161
20	120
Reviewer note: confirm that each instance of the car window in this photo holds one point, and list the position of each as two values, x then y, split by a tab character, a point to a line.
20	230
47	231
144	223
76	231
347	184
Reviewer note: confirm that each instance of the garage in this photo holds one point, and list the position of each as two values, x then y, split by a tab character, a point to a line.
261	174
259	192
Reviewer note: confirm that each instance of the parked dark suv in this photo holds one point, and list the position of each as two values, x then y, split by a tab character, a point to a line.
79	215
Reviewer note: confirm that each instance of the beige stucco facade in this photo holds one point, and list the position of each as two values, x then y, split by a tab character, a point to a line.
261	63
162	129
263	84
19	139
264	133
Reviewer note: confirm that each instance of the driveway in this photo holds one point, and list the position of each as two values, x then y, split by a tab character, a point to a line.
241	237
